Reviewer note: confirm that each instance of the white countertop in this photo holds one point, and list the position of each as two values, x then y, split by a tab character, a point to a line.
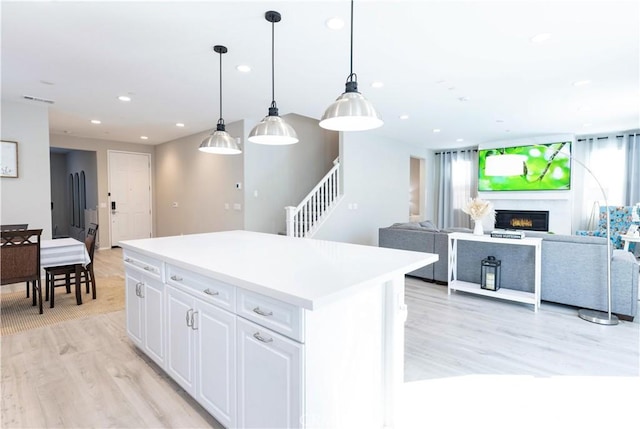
301	271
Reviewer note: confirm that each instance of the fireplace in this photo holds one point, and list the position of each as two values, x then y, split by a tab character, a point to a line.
531	220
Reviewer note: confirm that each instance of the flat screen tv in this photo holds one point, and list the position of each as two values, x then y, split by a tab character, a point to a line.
546	167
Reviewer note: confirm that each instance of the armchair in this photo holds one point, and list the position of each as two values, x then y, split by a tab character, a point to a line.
621	219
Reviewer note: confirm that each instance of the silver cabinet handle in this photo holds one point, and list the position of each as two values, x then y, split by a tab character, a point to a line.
211	292
262	312
190	317
259	337
139	289
176	278
193	321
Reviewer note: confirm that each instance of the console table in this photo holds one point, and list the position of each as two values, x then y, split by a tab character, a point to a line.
503	293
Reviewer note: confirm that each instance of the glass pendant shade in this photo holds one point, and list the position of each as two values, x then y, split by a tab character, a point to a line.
273	130
351	112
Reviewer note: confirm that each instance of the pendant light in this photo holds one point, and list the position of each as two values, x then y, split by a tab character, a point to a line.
351	111
273	130
220	141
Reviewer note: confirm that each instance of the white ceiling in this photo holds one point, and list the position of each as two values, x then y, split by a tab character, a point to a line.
428	54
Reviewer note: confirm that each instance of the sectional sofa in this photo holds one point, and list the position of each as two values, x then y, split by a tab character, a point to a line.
573	267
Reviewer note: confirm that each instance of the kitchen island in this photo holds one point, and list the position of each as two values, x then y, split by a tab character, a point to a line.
272	331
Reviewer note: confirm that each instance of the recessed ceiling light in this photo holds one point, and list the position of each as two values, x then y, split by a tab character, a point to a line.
243	68
334	23
144	138
180	124
95	121
459	140
403	117
463	98
436	130
542	37
124	98
582	82
377	84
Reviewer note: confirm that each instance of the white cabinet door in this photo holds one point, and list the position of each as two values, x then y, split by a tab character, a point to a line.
135	318
152	303
270	378
215	357
179	317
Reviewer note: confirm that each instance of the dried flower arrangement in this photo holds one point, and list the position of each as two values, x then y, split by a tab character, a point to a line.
478	209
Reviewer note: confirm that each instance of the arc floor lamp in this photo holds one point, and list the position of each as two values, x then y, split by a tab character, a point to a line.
514	165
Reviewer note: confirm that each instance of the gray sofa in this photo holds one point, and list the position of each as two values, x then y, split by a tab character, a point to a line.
420	237
573	267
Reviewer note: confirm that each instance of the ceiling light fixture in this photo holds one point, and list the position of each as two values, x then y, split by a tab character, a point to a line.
273	130
436	130
220	141
124	98
144	138
243	68
334	23
403	117
351	111
180	125
96	122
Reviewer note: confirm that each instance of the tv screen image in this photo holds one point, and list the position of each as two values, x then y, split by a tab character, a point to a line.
546	167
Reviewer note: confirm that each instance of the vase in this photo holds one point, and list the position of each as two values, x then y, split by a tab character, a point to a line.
478	229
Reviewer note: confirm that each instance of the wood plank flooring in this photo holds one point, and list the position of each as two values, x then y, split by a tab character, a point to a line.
86	373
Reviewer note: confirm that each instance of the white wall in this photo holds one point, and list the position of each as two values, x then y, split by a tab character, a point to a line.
280	176
376	174
27	199
559	203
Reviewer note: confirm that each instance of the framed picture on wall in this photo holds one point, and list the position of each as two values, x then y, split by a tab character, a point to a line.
8	159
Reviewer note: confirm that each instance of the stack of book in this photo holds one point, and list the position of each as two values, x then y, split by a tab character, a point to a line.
507	233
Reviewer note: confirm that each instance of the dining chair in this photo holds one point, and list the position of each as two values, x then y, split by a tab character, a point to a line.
65	274
16	227
20	260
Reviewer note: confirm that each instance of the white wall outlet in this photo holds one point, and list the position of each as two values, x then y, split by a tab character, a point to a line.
239	185
237	206
174	204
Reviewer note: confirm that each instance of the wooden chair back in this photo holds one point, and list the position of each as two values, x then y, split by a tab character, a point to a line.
90	239
20	256
14	227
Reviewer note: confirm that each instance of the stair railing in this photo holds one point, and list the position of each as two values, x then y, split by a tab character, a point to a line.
304	220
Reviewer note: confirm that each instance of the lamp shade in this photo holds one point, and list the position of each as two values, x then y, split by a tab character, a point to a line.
504	165
351	112
273	130
220	142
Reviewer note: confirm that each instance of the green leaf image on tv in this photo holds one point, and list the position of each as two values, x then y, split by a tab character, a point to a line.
546	167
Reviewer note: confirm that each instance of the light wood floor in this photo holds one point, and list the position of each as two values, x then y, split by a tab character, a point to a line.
86	373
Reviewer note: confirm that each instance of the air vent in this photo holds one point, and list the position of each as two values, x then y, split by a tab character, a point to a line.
32	98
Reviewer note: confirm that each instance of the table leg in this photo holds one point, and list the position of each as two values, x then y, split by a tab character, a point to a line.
78	291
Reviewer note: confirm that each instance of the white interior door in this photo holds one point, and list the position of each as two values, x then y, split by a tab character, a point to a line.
130	195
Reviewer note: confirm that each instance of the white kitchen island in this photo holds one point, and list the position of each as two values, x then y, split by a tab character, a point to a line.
272	331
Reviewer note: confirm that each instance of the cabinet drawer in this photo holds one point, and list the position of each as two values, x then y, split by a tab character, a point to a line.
145	263
208	289
283	318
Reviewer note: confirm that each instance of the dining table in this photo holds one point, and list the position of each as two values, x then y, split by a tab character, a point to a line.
65	251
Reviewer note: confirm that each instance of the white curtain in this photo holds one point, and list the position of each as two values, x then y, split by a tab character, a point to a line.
615	162
456	182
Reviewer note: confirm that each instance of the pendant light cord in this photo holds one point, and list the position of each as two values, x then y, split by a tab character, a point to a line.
273	79
221	89
352	76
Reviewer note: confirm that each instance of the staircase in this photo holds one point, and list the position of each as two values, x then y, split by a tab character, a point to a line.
304	220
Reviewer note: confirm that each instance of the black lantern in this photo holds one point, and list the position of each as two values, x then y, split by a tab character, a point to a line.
490	273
